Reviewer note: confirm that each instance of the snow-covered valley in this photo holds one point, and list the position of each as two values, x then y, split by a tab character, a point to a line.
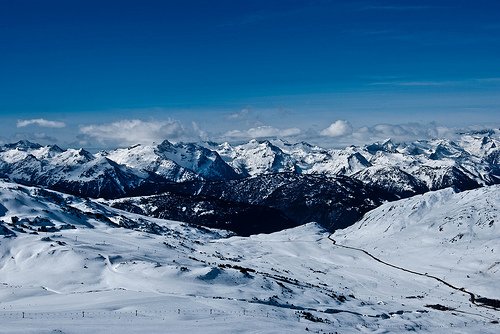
78	266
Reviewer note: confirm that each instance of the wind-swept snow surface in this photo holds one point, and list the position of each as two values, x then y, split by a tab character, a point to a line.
99	269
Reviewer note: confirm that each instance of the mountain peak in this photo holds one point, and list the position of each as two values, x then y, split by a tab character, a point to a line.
84	153
386	146
23	145
55	148
165	145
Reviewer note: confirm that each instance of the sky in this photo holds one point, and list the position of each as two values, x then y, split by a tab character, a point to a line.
119	72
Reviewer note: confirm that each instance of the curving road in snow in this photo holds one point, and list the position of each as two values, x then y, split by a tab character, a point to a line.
473	298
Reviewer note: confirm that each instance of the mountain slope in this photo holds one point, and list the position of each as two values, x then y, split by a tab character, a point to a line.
392	180
204	162
73	171
451	235
292	199
256	158
117	272
149	159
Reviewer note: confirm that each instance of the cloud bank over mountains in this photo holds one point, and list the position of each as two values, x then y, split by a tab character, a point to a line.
340	133
263	131
99	133
338	128
41	122
135	131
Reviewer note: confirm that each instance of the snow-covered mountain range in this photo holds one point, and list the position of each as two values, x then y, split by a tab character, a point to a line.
466	163
219	185
389	237
434	164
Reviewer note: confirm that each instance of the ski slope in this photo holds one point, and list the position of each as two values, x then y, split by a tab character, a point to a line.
178	278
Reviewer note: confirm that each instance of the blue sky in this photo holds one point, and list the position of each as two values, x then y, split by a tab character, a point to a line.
236	69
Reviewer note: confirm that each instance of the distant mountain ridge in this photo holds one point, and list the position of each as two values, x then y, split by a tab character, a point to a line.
298	182
470	162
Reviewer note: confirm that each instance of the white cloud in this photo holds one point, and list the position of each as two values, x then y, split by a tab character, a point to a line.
341	133
363	135
262	131
136	131
402	132
199	132
40	122
338	128
243	113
